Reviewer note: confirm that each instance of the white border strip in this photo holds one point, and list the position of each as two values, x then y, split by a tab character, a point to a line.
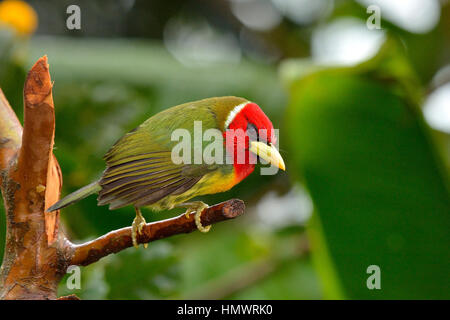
233	113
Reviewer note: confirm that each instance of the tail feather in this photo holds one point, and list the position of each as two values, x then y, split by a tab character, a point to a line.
75	196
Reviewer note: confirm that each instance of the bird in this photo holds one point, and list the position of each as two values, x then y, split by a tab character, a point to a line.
141	171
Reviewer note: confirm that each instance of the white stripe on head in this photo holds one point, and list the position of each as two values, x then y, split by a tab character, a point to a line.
233	113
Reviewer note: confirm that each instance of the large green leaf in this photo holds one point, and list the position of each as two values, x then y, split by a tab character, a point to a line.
377	181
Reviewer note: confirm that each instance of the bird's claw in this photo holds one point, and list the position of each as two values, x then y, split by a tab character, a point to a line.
196	207
198	222
136	228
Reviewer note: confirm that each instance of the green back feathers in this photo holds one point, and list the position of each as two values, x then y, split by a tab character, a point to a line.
154	134
222	107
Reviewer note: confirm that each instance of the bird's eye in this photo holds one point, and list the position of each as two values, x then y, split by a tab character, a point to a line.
252	132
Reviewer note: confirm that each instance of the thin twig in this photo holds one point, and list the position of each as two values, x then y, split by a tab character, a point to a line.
118	240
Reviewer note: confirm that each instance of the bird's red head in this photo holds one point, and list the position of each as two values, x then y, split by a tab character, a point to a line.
247	131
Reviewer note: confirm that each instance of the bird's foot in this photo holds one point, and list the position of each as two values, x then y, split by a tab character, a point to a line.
136	228
196	207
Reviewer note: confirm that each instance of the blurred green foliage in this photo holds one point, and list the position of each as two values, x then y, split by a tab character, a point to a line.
380	187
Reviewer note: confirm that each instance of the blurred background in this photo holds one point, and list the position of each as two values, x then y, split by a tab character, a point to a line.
360	91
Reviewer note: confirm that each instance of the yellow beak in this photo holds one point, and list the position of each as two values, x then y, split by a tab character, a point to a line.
268	153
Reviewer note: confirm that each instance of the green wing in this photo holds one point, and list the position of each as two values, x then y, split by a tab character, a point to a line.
140	170
146	180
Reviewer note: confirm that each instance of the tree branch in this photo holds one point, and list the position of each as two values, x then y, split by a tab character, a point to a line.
118	240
